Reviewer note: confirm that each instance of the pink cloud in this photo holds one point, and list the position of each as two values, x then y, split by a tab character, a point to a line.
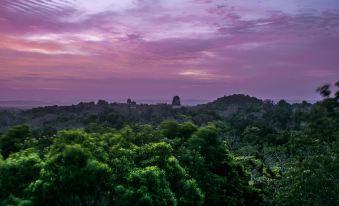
59	48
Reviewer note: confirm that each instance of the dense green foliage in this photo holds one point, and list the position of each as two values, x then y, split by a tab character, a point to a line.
139	166
234	151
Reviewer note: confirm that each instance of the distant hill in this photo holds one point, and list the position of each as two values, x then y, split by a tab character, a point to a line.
239	100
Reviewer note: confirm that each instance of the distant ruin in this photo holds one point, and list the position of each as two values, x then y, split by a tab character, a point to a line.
131	104
176	103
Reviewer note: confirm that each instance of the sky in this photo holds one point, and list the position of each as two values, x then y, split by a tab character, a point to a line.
74	50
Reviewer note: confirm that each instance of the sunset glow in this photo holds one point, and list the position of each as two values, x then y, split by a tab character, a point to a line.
72	50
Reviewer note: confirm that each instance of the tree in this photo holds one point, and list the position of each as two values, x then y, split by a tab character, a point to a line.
17	172
173	164
184	187
147	186
13	140
172	129
324	90
219	175
312	182
102	102
72	177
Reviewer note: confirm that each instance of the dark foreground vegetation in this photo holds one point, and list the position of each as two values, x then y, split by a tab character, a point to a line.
237	150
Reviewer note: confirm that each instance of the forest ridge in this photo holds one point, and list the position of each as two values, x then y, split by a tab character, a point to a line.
237	150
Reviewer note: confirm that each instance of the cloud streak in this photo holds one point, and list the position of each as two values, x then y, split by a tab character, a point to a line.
196	48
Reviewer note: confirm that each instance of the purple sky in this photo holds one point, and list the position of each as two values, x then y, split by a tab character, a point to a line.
71	50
